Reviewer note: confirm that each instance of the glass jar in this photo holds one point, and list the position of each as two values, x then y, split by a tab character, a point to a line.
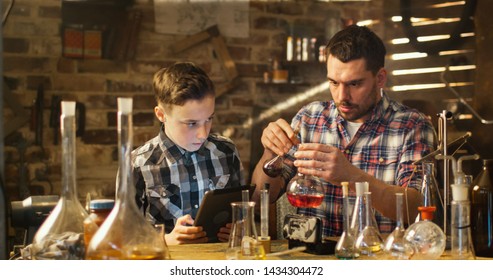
60	237
125	234
99	209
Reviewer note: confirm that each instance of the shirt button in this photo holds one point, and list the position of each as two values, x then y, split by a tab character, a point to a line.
194	177
347	151
380	160
196	206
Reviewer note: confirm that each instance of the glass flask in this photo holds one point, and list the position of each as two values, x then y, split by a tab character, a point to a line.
305	191
369	241
344	249
273	167
358	213
461	247
243	241
430	193
125	234
482	211
425	237
395	246
61	236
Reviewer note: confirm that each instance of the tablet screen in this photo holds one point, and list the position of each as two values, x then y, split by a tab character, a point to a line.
215	209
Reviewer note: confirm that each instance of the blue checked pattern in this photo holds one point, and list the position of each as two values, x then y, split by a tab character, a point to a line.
171	182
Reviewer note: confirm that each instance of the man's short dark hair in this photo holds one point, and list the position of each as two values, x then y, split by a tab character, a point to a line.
355	42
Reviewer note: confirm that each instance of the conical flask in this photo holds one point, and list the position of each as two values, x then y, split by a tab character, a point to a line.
61	236
344	249
369	241
243	239
125	234
425	237
358	216
395	246
430	193
482	211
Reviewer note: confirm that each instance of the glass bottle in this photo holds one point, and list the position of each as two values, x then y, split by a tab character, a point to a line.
482	211
425	237
395	246
60	237
125	234
461	247
305	191
243	241
369	241
344	249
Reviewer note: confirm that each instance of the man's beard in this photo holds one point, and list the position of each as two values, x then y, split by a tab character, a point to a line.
360	112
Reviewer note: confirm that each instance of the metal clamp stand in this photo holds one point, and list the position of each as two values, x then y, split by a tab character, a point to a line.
442	140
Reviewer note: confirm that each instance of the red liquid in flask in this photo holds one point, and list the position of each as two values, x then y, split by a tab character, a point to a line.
305	200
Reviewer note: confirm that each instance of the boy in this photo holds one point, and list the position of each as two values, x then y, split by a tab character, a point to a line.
173	170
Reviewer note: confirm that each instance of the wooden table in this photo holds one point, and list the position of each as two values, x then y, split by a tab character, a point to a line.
216	251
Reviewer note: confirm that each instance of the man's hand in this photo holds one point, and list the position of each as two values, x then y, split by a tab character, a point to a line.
185	233
223	234
326	162
278	137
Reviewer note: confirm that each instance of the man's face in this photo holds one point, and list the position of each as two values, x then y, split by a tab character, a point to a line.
354	89
188	126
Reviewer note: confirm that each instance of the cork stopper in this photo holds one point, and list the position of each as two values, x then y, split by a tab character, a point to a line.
68	108
427	212
125	105
345	186
361	188
459	192
265	242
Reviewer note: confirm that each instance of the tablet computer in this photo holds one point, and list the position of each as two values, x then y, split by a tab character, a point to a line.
215	209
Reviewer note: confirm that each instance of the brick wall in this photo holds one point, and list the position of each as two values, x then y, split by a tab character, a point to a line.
33	56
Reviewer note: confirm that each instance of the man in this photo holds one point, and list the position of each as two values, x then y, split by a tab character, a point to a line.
359	135
174	169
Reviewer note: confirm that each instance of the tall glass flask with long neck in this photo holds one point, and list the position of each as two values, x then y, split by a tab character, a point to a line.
125	234
430	193
482	211
345	245
395	246
369	242
61	236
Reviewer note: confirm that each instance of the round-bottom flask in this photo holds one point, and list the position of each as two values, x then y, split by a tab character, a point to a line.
425	237
305	191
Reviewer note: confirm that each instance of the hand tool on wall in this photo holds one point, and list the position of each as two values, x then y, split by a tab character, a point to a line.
37	116
55	117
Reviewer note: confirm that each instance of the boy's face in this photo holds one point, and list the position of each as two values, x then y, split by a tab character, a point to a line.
188	126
